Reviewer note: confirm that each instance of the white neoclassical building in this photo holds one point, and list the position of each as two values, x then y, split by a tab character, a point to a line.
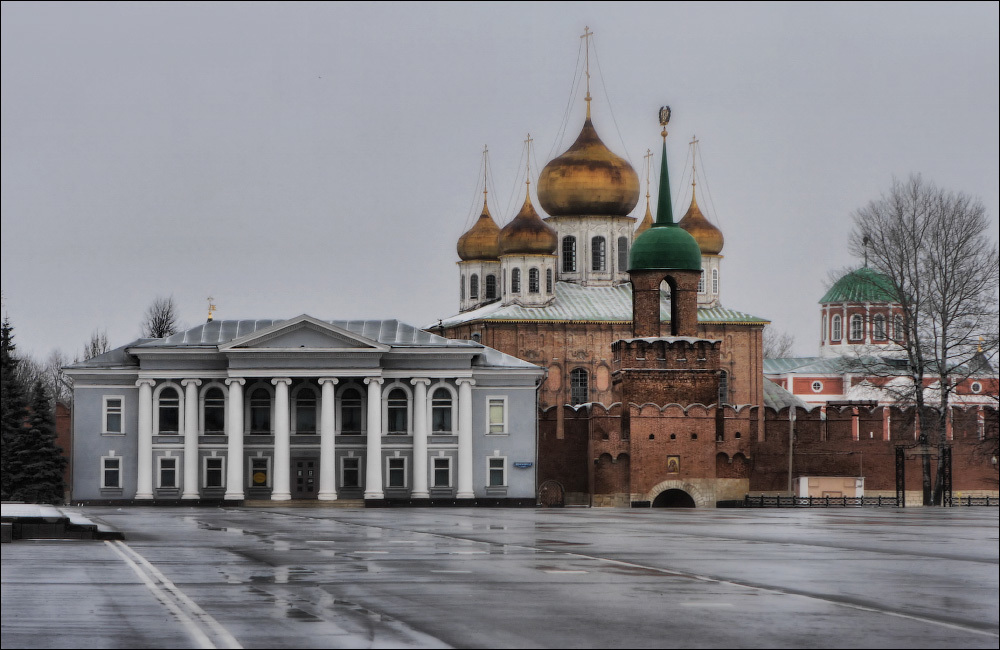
304	409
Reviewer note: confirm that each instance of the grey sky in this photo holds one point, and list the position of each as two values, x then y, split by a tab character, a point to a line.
323	158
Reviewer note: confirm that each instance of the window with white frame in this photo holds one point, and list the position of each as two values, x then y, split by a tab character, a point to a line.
491	287
441	405
817	386
548	281
350	472
533	283
260	472
168	409
498	472
214	472
397	412
715	282
351	411
598	254
878	326
569	254
442	472
167	472
395	472
111	472
515	280
622	254
857	327
898	331
497	415
305	410
214	411
260	410
461	288
474	287
701	282
836	334
578	386
114	410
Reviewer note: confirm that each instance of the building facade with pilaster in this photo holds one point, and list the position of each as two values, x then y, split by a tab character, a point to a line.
232	411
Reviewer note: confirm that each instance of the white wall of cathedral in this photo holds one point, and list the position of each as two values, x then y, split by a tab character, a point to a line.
476	288
860	329
528	280
593	250
710	284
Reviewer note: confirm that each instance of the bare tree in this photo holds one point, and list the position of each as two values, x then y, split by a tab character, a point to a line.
98	344
777	343
932	245
161	319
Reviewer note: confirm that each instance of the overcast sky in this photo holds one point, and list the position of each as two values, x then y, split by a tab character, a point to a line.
324	158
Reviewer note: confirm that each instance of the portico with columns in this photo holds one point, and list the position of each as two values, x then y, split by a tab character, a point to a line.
234	411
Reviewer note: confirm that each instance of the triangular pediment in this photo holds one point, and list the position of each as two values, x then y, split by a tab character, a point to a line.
303	333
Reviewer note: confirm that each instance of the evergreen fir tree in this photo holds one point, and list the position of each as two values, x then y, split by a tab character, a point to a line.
13	407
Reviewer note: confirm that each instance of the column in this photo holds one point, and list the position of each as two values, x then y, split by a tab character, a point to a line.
144	466
190	438
234	435
282	441
420	438
465	490
373	466
327	444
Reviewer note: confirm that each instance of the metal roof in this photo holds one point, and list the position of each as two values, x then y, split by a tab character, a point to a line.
574	302
861	285
778	398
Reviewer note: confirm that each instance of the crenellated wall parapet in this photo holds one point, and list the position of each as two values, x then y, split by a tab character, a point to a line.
666	353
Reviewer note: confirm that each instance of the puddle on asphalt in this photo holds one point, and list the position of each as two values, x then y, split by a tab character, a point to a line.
299	615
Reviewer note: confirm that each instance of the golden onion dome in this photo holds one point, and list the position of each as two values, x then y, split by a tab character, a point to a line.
709	238
588	179
647	220
481	241
527	234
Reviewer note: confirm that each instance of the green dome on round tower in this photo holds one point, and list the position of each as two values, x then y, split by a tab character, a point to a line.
861	285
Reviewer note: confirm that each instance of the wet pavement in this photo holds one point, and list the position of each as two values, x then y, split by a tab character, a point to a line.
303	577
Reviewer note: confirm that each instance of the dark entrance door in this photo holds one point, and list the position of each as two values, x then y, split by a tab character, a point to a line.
305	472
673	499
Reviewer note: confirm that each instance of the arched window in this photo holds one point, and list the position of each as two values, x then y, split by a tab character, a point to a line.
515	280
548	281
441	411
701	281
878	325
491	287
723	387
260	411
351	411
598	254
214	411
569	254
305	410
578	386
857	327
897	327
837	333
533	281
474	287
622	254
168	411
397	412
715	282
461	288
822	331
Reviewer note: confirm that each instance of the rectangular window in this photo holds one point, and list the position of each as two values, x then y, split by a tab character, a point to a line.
350	472
168	472
113	411
498	472
111	472
215	472
260	470
442	472
498	415
396	472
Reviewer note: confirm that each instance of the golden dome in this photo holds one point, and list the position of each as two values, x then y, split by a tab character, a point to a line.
588	179
709	238
647	220
481	241
527	234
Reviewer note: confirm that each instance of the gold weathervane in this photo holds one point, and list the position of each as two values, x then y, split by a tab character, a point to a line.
211	308
664	120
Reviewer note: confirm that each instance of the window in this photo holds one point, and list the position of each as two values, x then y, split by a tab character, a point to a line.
837	333
461	288
168	472
215	472
976	387
498	415
491	287
113	410
474	287
548	281
397	411
817	386
701	282
214	411
898	330
498	472
111	472
578	387
715	282
442	472
515	281
350	472
351	411
260	411
569	254
395	472
723	387
598	254
533	284
168	411
441	411
622	254
260	472
879	326
857	327
305	411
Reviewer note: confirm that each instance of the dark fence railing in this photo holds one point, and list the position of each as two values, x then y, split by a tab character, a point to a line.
777	501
